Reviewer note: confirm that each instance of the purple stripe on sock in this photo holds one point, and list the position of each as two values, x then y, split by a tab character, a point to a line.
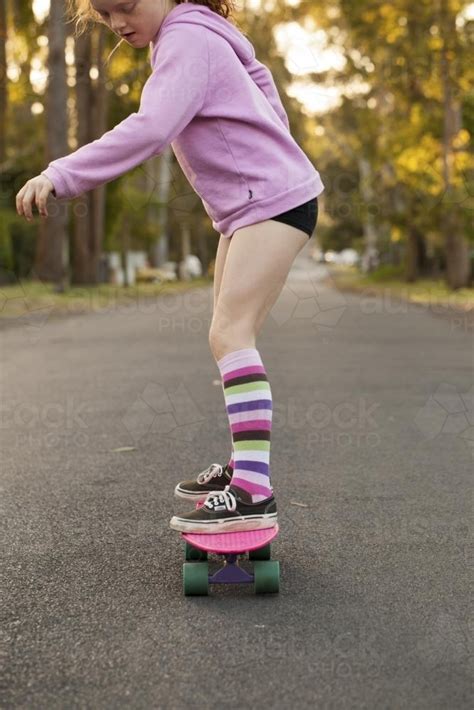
251	370
252	488
257	466
248	406
251	425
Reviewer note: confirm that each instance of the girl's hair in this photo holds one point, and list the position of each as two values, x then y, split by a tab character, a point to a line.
83	14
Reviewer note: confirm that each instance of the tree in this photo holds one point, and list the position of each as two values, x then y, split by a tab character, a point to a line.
3	79
91	106
51	252
457	251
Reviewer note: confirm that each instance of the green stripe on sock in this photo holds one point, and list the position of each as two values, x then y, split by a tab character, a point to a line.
249	445
247	387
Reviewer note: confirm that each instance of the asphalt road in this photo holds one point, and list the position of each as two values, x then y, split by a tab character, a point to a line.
372	452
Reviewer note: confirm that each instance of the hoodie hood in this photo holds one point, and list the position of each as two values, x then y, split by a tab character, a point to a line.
204	16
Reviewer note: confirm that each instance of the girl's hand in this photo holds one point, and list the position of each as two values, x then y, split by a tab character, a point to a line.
36	191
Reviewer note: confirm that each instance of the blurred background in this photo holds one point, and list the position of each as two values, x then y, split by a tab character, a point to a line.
379	95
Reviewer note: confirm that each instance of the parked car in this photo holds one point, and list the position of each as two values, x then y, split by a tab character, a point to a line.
349	257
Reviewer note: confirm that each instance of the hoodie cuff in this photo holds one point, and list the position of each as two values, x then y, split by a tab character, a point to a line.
61	189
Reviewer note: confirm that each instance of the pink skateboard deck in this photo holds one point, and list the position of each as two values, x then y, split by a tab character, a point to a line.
231	542
230	545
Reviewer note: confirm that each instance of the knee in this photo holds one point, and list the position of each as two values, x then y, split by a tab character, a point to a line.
225	339
219	340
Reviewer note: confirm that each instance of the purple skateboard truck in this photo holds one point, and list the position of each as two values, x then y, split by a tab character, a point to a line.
230	546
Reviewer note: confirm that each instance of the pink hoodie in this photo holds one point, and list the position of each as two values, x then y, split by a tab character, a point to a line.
218	106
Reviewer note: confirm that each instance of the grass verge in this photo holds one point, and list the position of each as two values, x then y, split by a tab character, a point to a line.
427	292
28	297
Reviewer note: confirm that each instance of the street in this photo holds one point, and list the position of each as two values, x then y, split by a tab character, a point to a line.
371	460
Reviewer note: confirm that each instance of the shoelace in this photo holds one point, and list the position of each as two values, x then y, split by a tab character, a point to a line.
226	497
215	469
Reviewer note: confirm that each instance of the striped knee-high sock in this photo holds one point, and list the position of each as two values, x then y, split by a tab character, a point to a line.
230	465
248	400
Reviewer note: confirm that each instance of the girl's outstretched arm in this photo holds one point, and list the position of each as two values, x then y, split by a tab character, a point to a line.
172	95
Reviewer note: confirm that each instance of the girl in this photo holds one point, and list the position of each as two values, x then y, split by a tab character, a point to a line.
218	106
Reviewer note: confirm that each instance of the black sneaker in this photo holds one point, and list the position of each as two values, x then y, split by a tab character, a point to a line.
227	511
214	478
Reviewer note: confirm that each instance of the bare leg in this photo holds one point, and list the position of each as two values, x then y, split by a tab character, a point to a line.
256	268
257	262
221	254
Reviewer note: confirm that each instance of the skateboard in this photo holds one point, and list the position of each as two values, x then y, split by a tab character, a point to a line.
229	546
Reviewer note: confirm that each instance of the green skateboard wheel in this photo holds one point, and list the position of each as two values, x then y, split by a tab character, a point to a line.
193	554
262	553
266	576
195	578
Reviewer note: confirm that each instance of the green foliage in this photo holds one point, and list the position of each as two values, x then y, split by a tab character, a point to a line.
387	272
6	249
17	243
396	125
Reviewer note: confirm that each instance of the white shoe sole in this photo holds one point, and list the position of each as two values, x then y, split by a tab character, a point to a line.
224	525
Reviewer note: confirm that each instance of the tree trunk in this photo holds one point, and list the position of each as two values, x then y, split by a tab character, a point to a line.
89	209
125	246
3	83
370	257
457	251
203	250
185	250
99	126
151	189
83	203
416	254
51	260
160	249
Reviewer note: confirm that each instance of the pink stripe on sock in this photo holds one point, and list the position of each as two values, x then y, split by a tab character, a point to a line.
251	488
250	370
254	424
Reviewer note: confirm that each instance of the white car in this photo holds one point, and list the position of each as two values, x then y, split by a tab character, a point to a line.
332	257
349	257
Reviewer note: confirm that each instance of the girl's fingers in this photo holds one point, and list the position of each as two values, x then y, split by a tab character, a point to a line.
27	203
32	193
42	198
22	201
38	200
19	198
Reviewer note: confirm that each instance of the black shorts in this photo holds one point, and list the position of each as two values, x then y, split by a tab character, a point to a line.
303	217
